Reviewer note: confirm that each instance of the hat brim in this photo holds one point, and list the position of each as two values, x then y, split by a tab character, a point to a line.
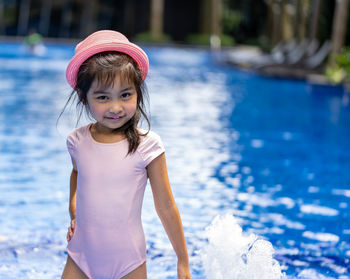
130	49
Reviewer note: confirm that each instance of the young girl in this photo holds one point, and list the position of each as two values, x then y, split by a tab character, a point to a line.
112	159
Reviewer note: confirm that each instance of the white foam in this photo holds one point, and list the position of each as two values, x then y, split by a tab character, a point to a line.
230	254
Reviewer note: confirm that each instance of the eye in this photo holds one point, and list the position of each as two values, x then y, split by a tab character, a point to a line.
102	98
125	95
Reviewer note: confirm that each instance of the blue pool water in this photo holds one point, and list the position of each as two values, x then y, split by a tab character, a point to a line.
271	153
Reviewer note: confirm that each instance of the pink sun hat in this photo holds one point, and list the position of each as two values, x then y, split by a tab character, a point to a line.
100	41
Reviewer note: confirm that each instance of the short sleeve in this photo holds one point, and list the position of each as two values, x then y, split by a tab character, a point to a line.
75	137
71	146
151	147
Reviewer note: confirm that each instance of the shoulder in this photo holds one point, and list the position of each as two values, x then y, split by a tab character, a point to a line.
75	136
150	146
148	136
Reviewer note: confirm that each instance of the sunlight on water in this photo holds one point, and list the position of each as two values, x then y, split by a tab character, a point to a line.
234	144
232	254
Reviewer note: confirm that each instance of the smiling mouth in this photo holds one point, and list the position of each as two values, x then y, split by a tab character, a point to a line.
114	117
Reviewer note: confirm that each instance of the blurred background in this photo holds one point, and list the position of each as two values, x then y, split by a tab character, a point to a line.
295	28
259	22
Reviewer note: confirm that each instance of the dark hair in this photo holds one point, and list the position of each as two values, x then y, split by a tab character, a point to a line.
104	67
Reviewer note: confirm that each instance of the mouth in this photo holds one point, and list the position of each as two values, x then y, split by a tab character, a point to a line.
114	117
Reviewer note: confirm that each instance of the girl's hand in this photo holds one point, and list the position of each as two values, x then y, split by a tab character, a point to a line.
183	271
71	230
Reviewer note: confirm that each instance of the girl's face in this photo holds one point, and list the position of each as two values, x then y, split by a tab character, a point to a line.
112	106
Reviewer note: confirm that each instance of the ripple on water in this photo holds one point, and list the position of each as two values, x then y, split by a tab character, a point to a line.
216	124
324	237
318	210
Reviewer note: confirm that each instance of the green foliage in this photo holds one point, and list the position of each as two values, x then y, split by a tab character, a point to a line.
198	39
261	42
340	71
343	60
147	37
10	15
33	39
335	74
227	40
204	39
230	21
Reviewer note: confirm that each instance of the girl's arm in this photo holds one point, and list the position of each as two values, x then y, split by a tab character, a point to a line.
73	194
168	212
72	200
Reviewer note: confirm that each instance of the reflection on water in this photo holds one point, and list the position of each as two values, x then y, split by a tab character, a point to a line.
269	152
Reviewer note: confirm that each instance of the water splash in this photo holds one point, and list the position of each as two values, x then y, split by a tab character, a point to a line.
230	254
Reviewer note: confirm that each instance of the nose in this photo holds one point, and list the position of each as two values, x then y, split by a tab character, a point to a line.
115	107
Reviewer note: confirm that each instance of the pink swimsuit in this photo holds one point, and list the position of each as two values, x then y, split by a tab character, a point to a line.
109	242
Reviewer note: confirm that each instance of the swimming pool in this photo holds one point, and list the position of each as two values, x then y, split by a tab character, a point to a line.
270	152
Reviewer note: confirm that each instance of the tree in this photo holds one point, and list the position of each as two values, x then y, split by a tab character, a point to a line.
45	17
339	27
23	18
157	10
